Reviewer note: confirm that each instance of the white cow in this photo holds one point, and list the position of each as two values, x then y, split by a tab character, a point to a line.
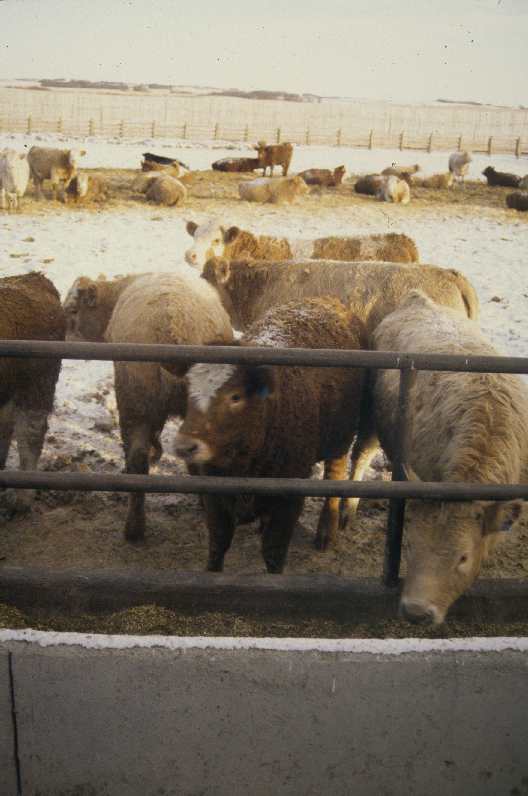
14	178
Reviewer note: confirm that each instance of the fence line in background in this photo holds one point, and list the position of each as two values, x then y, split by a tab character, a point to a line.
341	137
407	364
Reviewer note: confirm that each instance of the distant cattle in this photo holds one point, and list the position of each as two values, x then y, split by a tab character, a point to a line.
459	164
502	178
394	189
518	201
57	165
14	178
281	190
237	164
399	171
370	184
211	239
149	159
87	188
435	181
324	177
271	155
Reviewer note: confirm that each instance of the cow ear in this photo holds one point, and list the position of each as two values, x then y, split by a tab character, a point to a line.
259	381
191	228
230	234
409	473
500	516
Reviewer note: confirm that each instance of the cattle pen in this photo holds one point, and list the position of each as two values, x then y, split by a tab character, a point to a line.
126	714
397	491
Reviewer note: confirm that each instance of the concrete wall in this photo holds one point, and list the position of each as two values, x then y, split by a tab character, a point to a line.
158	716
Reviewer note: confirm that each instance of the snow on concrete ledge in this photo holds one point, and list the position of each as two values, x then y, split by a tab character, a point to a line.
183	643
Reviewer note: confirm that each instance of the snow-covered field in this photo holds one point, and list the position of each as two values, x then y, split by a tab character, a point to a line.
488	244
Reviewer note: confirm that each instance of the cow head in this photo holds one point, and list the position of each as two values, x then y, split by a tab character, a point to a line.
209	240
444	546
226	415
87	312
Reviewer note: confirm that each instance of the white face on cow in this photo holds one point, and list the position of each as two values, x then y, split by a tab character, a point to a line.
208	242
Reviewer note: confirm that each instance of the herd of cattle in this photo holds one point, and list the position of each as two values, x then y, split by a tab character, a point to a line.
158	178
363	292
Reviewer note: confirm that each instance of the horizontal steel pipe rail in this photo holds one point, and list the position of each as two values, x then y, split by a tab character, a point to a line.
93	482
321	357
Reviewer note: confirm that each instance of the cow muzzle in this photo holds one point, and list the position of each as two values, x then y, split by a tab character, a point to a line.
191	449
420	612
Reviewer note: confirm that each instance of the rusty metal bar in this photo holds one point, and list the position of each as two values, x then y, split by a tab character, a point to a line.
105	482
321	357
393	540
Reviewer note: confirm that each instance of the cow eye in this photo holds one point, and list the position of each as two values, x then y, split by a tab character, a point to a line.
463	559
236	398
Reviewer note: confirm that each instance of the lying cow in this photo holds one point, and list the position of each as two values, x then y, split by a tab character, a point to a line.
237	164
326	178
399	171
503	178
150	159
249	289
281	190
87	188
213	240
467	427
369	185
394	189
14	178
57	165
30	309
437	181
274	422
271	155
518	201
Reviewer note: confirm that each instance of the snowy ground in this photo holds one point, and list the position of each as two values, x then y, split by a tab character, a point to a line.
488	244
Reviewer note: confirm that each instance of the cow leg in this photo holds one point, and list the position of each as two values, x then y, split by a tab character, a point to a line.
335	470
141	444
277	531
365	446
30	426
3	205
220	516
7	424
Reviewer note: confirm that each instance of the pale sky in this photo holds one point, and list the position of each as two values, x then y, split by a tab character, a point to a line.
401	50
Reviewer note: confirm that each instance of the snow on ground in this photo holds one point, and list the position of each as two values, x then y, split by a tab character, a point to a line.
488	245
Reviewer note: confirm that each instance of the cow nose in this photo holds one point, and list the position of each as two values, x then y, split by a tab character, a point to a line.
190	257
185	447
417	613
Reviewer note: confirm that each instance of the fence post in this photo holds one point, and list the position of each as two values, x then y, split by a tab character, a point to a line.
215	134
29	125
278	135
246	133
184	130
518	148
430	143
490	140
59	125
393	543
338	137
459	143
371	139
153	130
401	141
91	127
121	128
307	136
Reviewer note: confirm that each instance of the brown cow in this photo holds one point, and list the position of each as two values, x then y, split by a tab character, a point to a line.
275	422
30	309
271	155
326	178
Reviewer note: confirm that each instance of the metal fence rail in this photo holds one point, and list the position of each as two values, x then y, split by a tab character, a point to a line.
397	491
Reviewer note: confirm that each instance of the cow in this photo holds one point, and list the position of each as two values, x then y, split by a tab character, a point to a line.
503	178
459	165
326	178
14	178
271	155
237	164
57	165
